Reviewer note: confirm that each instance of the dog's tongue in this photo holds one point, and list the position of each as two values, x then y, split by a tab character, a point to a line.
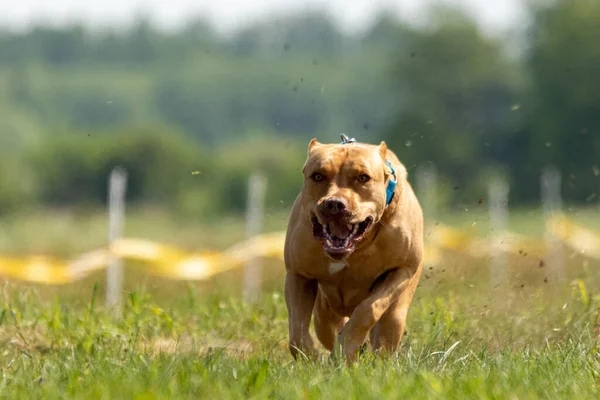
339	230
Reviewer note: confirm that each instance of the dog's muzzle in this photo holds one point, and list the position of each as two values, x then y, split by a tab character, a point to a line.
338	237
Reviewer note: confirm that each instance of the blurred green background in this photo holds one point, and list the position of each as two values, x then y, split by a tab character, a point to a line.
191	112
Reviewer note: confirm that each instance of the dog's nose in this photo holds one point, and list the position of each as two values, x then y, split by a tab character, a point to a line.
334	207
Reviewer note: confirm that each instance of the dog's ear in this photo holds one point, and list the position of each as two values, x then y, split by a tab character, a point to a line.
383	150
313	144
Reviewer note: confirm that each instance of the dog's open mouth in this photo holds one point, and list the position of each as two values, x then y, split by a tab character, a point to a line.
339	238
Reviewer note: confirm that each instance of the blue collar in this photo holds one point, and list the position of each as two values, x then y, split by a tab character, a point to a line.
391	187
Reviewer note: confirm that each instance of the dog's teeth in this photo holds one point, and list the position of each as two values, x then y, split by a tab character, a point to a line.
329	243
355	229
349	227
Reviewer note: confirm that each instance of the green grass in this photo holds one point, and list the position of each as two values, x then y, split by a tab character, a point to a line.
197	341
174	339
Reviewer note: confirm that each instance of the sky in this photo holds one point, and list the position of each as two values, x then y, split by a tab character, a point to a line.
230	15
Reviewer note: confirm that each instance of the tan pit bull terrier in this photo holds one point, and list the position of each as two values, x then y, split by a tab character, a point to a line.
353	250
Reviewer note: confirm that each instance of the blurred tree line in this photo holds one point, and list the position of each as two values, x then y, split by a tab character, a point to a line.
189	113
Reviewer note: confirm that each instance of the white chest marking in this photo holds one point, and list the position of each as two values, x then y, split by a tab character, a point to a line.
336	267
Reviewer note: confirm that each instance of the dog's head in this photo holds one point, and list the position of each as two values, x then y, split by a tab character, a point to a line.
344	193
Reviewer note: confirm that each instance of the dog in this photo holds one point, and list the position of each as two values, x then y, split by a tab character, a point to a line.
353	250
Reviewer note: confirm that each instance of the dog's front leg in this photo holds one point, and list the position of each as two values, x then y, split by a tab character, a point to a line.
368	313
300	294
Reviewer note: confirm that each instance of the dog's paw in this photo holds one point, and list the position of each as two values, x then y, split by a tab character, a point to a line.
303	352
344	353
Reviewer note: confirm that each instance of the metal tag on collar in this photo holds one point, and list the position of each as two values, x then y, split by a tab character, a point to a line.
346	139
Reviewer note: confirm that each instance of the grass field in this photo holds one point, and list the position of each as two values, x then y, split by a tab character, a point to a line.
459	344
199	340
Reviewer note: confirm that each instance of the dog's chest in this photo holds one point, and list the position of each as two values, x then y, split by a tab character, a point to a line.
344	273
346	284
343	291
335	267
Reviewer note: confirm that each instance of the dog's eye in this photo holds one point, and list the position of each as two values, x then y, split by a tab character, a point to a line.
363	178
317	177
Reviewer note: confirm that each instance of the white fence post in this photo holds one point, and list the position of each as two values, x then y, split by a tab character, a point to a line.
498	208
257	185
426	187
116	218
552	204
